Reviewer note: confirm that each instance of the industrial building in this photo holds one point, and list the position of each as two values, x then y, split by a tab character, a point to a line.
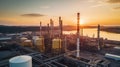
39	60
50	50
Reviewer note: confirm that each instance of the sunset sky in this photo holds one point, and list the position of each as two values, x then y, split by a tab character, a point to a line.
31	12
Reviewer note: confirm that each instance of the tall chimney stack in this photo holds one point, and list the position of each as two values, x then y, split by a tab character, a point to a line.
78	35
98	36
48	28
60	27
40	28
51	27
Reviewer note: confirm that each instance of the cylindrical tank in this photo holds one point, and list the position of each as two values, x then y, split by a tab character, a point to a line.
34	39
22	40
40	44
56	44
21	61
28	43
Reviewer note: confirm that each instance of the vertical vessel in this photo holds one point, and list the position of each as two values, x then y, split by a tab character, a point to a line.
60	27
40	28
51	27
21	61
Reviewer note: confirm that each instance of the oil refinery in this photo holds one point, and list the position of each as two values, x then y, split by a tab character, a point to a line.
53	48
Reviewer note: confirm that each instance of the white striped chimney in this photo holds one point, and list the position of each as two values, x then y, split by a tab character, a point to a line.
78	35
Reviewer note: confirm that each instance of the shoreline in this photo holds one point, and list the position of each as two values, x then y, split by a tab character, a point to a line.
117	31
14	29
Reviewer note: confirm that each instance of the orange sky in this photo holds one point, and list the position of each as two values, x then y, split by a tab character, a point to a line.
31	12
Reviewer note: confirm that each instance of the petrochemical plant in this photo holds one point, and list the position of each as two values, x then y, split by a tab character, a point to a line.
52	48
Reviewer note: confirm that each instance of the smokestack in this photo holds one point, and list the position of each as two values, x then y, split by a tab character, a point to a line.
48	28
81	28
78	18
78	35
59	19
98	36
60	27
51	27
40	28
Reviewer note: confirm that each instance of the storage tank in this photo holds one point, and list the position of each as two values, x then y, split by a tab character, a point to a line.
112	56
56	45
22	40
34	39
27	43
40	44
21	61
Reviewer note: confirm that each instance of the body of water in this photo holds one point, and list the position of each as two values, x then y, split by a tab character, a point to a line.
92	32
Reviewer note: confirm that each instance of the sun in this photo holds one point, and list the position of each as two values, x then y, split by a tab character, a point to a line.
82	21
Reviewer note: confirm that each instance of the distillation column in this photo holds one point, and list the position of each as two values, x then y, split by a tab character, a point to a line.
51	27
60	27
40	28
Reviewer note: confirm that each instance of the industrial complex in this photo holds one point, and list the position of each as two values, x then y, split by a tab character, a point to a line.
52	48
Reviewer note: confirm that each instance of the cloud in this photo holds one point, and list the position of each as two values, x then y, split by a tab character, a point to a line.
96	1
98	5
113	1
116	8
32	15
